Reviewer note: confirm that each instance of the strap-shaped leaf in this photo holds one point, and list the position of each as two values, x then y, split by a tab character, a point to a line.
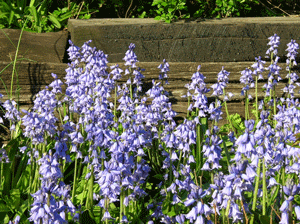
55	22
11	17
31	3
65	16
34	13
4	7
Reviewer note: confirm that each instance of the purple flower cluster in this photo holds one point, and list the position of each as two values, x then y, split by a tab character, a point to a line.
120	143
222	81
52	202
273	76
199	98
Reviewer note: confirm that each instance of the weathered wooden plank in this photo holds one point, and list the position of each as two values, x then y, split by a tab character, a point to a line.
176	90
33	77
40	73
226	39
33	45
183	71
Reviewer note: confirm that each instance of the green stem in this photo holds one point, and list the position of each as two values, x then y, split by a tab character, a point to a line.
198	148
74	181
1	176
89	201
188	112
180	156
282	182
255	191
115	103
130	77
228	119
246	106
226	152
264	201
15	61
274	105
121	203
256	99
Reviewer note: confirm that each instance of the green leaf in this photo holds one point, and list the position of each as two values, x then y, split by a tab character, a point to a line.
12	148
4	7
148	186
170	10
85	16
112	206
65	16
172	213
15	198
297	199
33	12
55	22
164	4
155	2
86	218
157	18
264	219
21	168
43	8
31	3
4	209
11	17
23	182
159	176
3	15
274	195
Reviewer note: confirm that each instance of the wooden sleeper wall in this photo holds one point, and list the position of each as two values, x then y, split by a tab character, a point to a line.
33	77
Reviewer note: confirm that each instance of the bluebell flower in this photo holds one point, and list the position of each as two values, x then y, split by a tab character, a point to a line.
259	67
73	52
56	84
215	111
130	57
12	114
46	208
198	96
116	72
222	81
3	156
235	212
284	218
297	212
212	150
16	220
106	216
164	71
180	218
273	76
274	43
246	142
292	76
292	52
247	80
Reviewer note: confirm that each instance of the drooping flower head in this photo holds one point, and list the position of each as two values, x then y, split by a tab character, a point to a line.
292	52
222	82
247	80
130	57
274	43
259	67
164	71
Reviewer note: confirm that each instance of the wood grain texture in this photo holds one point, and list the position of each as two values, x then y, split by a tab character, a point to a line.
33	77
